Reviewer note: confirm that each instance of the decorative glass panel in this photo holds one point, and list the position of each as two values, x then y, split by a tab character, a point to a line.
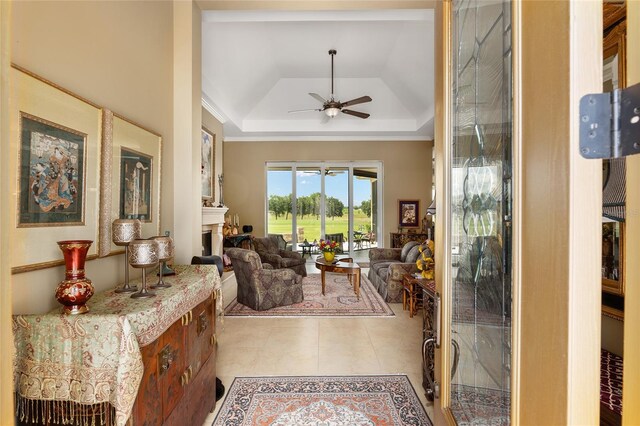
481	211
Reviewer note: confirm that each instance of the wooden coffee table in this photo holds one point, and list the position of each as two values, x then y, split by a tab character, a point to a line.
342	266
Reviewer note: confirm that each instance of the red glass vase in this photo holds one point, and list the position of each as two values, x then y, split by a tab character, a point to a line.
74	292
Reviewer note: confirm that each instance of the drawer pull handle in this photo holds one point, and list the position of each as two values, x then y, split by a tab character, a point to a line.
167	356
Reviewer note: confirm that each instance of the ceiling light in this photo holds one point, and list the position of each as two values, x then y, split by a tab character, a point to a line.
332	112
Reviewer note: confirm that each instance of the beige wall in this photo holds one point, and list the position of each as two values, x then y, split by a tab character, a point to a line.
407	173
214	126
117	55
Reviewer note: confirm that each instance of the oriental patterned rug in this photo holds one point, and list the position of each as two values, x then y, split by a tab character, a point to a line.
311	400
480	406
338	301
611	381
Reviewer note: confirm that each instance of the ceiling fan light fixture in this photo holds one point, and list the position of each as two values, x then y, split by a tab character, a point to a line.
332	112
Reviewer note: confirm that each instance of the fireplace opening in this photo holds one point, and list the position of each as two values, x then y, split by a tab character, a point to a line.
206	243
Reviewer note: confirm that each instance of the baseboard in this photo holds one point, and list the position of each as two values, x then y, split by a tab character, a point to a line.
229	288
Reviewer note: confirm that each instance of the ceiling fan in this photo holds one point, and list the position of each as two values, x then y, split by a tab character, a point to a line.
332	107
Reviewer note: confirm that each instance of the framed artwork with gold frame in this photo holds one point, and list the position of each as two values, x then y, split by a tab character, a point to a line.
130	181
207	163
408	213
57	138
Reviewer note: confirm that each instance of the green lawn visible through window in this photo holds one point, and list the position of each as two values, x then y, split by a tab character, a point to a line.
311	224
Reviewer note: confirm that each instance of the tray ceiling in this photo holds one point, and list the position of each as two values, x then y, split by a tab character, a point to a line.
258	65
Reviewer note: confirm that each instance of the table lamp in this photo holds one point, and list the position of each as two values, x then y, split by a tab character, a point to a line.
165	252
143	254
123	231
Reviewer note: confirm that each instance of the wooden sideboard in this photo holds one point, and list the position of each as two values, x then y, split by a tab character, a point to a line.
179	371
400	239
85	369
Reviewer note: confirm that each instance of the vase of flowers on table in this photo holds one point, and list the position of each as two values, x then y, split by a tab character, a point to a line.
328	249
425	261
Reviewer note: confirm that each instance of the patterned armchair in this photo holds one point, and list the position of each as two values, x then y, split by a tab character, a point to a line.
387	266
261	287
269	253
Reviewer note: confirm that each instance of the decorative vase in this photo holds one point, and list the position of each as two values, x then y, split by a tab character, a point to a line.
74	292
328	256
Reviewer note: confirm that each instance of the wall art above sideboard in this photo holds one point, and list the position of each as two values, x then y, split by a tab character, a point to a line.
69	159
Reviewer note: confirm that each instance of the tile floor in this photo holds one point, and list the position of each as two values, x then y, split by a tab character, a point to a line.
321	346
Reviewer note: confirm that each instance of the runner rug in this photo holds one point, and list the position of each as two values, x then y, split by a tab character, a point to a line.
335	401
339	300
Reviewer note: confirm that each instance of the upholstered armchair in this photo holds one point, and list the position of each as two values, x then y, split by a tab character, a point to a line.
259	286
387	266
269	253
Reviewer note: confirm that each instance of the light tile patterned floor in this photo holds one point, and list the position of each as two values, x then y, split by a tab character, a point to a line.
321	346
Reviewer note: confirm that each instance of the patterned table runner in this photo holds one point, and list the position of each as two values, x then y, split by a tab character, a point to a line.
74	362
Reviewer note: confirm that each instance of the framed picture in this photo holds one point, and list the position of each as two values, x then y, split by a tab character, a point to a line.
408	213
130	180
207	164
614	58
56	137
136	172
52	164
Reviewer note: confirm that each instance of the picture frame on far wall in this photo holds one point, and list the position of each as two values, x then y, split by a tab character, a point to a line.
408	213
56	138
130	180
207	164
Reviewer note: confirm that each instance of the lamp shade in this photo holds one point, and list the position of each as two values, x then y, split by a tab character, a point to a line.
431	210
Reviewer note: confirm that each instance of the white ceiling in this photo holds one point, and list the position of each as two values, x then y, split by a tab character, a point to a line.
258	65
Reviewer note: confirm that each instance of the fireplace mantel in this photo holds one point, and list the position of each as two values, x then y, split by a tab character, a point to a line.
213	220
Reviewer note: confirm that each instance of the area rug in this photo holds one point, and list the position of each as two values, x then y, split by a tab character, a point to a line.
480	406
312	400
611	381
339	300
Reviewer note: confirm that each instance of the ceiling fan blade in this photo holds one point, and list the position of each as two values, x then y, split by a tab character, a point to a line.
318	97
356	113
356	101
303	110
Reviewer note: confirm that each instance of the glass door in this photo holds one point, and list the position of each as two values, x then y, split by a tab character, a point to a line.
337	208
308	201
279	192
365	212
480	206
308	196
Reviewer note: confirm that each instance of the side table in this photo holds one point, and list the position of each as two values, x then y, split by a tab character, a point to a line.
412	292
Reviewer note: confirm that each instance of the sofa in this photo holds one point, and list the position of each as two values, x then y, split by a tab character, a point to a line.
387	266
261	287
269	252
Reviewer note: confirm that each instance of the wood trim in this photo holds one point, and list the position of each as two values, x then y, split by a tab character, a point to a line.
517	208
616	42
631	375
442	415
560	198
612	13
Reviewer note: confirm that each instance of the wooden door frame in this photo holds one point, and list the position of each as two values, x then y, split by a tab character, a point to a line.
556	196
631	375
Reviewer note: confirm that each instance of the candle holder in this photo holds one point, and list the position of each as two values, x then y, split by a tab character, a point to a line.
166	269
165	252
143	254
123	231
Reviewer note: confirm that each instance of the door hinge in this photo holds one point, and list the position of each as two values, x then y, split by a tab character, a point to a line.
610	123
